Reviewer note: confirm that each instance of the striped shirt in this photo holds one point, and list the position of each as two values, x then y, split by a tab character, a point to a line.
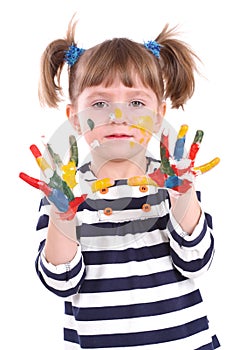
132	281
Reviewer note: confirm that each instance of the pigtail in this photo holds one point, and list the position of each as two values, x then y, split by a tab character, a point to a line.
52	62
178	64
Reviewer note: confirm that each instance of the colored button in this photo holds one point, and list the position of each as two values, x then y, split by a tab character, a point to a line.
146	207
108	211
104	190
143	188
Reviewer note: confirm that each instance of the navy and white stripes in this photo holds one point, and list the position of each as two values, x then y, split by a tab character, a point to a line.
131	283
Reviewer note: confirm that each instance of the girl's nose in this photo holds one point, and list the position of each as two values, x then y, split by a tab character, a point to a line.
117	116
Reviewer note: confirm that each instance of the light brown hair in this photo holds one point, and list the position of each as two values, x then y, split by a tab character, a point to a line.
169	76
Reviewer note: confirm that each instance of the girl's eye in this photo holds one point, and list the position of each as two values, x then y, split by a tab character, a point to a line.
136	104
100	104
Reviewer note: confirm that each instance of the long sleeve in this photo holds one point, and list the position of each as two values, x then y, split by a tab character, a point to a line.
65	279
192	254
134	290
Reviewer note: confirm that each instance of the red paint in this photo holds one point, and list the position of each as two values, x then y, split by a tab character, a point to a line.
73	207
184	187
35	151
164	144
193	151
158	177
41	185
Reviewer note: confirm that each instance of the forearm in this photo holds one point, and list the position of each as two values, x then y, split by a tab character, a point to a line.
186	210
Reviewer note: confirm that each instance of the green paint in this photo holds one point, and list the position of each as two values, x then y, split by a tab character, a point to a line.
90	123
165	163
55	157
57	182
198	137
73	149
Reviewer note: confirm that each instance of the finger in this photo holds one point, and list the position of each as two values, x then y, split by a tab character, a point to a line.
69	174
41	185
73	150
55	157
54	195
45	167
180	142
69	170
30	180
195	145
206	167
165	156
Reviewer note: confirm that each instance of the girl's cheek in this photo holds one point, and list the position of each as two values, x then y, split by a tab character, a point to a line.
92	137
142	134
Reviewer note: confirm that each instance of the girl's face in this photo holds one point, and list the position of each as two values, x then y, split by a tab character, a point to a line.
117	119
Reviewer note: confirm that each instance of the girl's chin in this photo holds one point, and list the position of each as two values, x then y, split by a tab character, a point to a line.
114	149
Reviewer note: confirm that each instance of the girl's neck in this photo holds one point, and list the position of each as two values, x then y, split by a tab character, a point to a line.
119	169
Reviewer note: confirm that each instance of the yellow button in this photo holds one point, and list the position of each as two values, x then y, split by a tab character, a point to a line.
143	188
146	207
108	211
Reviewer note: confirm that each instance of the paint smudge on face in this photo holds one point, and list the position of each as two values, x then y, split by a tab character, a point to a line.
141	141
117	114
132	143
95	144
145	122
90	123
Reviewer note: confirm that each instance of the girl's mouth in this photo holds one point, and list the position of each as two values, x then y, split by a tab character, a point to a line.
118	136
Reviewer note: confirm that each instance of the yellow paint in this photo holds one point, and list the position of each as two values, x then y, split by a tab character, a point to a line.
183	131
140	180
132	143
146	122
102	183
208	166
118	113
42	163
69	172
141	140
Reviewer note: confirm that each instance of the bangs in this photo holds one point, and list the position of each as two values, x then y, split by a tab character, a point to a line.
121	58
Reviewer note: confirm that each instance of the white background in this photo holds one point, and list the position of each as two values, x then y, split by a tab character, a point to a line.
31	317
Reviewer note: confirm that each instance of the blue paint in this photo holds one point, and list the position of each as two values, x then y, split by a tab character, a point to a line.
172	181
58	198
179	148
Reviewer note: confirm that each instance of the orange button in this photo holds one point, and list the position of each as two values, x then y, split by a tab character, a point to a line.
104	190
108	211
143	188
146	207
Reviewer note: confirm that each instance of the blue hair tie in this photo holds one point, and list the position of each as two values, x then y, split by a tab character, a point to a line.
154	47
72	54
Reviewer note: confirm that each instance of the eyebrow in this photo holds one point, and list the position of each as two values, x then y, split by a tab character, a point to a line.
106	94
98	94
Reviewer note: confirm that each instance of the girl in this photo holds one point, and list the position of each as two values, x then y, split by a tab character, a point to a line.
126	263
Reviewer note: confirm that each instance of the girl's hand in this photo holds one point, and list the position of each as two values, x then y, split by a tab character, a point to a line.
177	171
59	180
